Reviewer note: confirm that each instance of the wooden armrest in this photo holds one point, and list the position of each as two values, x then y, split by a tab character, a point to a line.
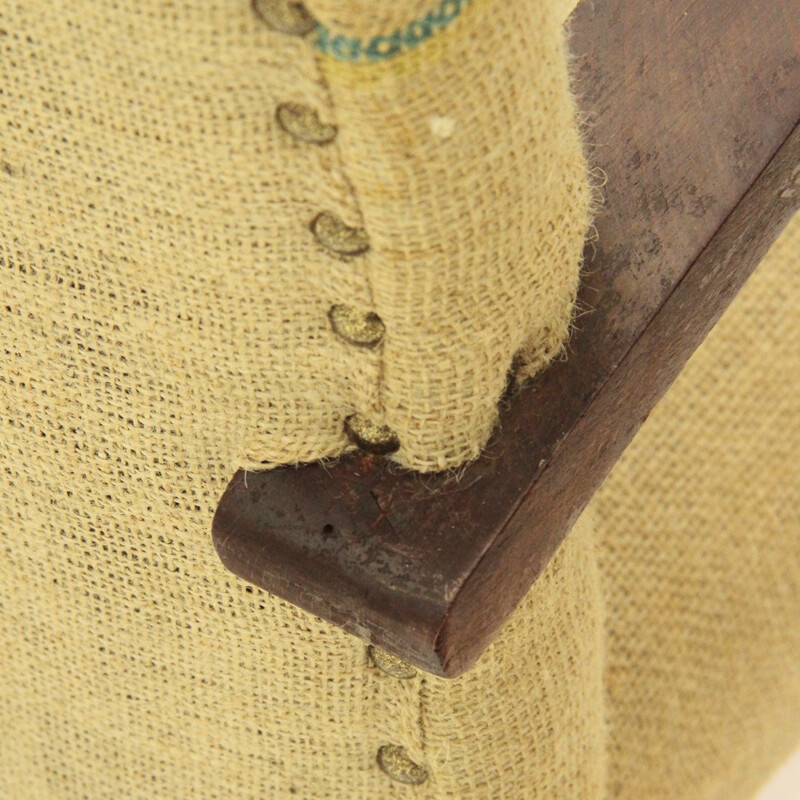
693	111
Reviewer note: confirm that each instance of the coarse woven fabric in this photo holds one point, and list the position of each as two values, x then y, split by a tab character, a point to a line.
366	19
698	530
656	657
133	665
476	199
145	169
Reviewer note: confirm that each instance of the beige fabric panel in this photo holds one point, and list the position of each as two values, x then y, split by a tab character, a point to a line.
366	18
165	322
144	159
455	165
699	532
148	349
134	665
151	200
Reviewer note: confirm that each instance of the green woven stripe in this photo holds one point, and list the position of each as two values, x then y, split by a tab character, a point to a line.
379	48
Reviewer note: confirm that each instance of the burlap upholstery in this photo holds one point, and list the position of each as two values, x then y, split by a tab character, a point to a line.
154	281
145	160
656	657
698	535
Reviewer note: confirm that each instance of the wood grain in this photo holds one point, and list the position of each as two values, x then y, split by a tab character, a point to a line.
693	110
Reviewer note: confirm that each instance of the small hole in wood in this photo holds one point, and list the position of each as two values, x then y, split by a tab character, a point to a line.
327	530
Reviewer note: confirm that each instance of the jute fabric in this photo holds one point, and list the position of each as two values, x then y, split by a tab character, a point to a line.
366	19
699	540
476	200
144	167
657	656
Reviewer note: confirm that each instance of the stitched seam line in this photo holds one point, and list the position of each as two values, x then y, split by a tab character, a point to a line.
354	195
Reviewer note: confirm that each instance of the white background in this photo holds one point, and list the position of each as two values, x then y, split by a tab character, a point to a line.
786	783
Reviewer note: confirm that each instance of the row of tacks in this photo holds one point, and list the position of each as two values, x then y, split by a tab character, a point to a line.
359	328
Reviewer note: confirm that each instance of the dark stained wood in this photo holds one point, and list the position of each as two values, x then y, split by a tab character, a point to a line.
694	109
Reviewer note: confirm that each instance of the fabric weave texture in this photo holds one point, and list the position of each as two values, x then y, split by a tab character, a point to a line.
146	170
656	656
164	320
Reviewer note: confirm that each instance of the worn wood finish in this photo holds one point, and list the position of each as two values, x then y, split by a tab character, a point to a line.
692	109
